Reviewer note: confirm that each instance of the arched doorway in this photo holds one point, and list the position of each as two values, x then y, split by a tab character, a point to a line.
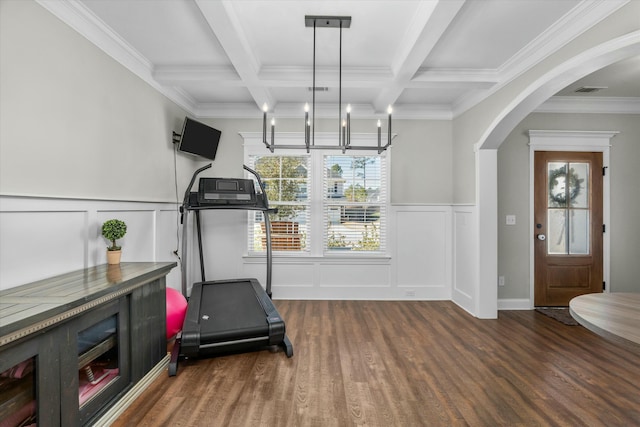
486	151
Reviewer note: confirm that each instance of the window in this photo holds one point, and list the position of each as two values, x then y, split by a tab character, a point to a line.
328	204
568	208
354	203
286	181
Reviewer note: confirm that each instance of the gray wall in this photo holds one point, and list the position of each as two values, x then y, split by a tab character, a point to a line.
74	122
513	198
421	156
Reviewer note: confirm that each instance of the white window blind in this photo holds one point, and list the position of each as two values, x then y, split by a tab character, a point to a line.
354	203
329	203
287	181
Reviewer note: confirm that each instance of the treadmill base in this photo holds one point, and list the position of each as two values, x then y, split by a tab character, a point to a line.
285	346
229	317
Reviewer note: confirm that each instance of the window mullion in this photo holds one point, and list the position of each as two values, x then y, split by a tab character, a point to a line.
317	208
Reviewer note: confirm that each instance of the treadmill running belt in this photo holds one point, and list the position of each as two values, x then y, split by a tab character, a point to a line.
230	311
230	316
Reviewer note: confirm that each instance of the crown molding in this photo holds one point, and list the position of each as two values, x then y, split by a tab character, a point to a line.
77	16
457	75
580	19
422	112
323	111
584	16
84	21
170	74
236	110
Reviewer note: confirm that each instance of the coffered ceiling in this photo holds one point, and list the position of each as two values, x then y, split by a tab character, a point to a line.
427	58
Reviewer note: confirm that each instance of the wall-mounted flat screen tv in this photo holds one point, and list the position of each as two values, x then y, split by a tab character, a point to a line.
199	139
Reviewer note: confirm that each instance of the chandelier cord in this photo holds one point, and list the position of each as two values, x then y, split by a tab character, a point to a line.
340	92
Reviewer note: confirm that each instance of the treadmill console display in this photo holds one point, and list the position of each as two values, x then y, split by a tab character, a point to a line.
226	191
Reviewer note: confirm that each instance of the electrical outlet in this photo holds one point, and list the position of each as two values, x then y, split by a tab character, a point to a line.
410	293
501	281
511	220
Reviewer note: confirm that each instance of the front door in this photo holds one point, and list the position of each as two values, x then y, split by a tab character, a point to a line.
567	226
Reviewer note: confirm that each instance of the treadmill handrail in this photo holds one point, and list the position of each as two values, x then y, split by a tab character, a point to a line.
260	184
193	179
185	200
183	208
267	226
186	207
263	190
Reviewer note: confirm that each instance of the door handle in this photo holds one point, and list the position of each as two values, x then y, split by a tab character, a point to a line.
541	237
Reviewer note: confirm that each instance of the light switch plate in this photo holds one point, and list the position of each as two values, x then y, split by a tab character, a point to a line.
511	220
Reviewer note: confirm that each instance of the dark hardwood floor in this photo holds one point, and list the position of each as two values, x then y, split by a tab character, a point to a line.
390	363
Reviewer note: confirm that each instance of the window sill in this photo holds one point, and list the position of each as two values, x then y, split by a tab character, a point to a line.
305	258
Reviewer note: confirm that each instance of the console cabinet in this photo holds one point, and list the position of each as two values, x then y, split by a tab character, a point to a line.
72	345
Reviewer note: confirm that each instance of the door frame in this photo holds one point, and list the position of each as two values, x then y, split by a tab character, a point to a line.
566	140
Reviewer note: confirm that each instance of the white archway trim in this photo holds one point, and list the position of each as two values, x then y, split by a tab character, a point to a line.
486	185
566	140
487	226
553	81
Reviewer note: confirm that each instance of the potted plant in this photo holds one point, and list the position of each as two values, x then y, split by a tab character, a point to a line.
113	230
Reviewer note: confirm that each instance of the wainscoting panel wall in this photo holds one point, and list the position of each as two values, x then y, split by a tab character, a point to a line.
139	242
430	249
354	275
418	265
169	242
423	251
465	247
34	245
43	237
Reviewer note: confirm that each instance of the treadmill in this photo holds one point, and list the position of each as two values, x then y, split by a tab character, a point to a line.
226	316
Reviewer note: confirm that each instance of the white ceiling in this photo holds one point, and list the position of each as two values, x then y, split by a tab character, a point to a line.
428	58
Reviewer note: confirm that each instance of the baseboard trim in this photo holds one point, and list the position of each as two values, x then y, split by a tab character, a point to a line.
515	304
121	405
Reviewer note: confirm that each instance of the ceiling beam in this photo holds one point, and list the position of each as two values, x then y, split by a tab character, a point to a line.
274	76
429	24
226	27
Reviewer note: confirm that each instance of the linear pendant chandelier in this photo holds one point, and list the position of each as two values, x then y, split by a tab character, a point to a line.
344	125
